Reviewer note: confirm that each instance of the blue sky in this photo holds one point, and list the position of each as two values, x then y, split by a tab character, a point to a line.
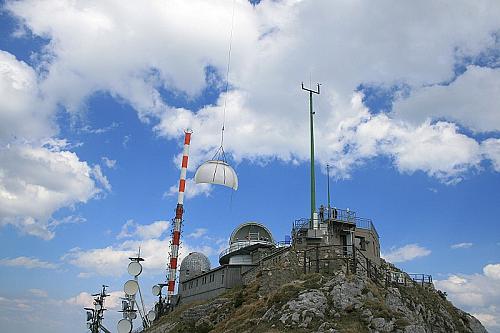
96	95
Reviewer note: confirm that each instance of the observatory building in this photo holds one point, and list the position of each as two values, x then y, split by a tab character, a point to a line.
247	244
252	244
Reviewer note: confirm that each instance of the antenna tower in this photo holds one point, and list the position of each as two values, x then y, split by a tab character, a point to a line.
177	221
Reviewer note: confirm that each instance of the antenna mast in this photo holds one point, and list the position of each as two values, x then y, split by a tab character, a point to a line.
176	232
313	178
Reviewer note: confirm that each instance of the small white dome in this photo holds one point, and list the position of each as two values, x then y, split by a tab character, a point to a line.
194	264
217	172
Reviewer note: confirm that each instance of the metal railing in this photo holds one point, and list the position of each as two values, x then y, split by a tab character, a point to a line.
242	244
339	215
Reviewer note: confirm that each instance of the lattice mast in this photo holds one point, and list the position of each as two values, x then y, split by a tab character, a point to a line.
177	221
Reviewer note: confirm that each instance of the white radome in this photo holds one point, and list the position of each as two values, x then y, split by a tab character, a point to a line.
218	173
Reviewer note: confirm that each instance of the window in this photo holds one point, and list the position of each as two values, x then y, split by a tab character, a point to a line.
222	279
190	284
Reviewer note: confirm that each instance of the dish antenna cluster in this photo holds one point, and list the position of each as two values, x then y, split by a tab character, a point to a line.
129	303
95	315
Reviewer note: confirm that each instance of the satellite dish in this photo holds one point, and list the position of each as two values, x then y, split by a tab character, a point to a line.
218	173
132	315
124	326
156	290
134	268
151	315
98	306
131	287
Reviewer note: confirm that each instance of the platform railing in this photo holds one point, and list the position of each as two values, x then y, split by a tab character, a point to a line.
242	244
339	215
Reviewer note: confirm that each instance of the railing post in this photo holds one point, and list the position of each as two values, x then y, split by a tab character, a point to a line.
305	261
355	264
317	259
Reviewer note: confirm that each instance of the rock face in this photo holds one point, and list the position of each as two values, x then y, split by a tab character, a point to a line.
323	303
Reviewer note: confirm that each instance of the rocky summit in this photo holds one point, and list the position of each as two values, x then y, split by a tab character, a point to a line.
281	300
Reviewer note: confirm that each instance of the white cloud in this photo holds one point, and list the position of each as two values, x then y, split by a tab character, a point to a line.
461	246
36	182
38	175
197	233
191	190
379	44
487	319
27	262
23	113
113	260
491	150
101	178
492	271
39	292
468	100
477	293
149	231
84	299
406	253
109	162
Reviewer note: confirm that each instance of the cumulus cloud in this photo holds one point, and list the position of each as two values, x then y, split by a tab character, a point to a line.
39	292
461	246
38	175
37	181
405	253
84	299
468	100
109	162
272	41
148	231
27	262
478	294
197	233
492	271
191	190
113	260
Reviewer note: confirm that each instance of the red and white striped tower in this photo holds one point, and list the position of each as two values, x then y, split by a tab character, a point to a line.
176	234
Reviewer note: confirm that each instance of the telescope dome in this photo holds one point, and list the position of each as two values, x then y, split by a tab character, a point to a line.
194	264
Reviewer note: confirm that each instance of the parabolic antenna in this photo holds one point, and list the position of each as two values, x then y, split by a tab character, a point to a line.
151	315
131	287
134	268
132	315
156	290
124	326
218	173
98	306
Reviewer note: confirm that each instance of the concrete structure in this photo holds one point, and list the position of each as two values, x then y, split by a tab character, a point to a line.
247	244
252	243
340	228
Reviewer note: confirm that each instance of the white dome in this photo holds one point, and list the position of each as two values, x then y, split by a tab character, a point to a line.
194	264
216	172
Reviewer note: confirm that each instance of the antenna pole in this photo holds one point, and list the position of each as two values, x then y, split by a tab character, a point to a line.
176	233
311	123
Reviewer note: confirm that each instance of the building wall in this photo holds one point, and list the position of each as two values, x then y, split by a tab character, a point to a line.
212	283
371	246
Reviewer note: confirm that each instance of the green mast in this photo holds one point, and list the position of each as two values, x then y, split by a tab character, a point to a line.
311	123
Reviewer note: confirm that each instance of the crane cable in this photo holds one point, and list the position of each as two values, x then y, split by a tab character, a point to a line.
220	151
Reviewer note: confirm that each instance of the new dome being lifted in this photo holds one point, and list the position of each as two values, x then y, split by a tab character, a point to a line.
216	172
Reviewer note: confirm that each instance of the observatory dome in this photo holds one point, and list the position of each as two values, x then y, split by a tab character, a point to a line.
245	239
251	231
194	264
